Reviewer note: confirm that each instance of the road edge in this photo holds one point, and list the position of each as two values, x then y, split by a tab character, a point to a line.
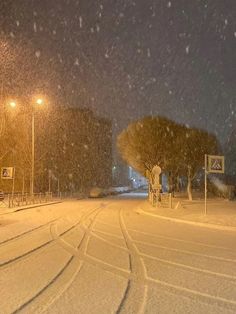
14	210
188	222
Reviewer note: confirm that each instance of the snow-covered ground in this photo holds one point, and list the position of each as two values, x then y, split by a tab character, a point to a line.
220	212
102	256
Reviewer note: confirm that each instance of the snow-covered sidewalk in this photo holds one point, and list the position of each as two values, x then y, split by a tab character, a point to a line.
7	210
221	214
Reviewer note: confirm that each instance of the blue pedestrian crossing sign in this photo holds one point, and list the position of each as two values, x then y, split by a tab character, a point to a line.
216	164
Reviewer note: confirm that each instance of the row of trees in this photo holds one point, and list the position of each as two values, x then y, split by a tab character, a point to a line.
72	149
16	144
177	149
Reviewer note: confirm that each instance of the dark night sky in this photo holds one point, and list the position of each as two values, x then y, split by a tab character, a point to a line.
128	59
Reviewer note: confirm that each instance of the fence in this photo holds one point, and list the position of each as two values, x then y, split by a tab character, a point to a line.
19	199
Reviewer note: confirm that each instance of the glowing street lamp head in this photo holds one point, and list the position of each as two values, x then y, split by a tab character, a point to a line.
12	104
39	101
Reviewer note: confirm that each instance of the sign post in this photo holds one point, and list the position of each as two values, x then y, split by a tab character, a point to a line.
206	184
213	164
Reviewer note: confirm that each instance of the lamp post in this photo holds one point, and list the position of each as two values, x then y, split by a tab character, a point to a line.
12	104
39	101
32	155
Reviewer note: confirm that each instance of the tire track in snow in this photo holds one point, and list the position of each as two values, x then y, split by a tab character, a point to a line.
100	263
174	288
60	282
213	257
210	299
108	242
191	268
224	303
108	234
201	244
135	296
169	262
45	244
28	232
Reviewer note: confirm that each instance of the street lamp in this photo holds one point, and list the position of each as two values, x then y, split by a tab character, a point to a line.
39	101
12	104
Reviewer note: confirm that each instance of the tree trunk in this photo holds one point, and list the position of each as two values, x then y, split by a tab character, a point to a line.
169	182
177	186
189	185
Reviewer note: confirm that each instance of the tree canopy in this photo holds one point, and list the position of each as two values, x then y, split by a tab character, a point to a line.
174	147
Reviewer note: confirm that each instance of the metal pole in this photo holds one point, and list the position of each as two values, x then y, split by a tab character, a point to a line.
32	161
13	183
23	183
49	181
58	187
205	184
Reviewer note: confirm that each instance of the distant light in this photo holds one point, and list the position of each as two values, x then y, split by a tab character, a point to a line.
39	101
12	104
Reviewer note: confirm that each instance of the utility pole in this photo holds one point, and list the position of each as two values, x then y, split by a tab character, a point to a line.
206	184
58	187
32	156
39	102
49	180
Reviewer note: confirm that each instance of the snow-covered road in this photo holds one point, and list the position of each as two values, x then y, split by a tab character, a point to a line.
101	256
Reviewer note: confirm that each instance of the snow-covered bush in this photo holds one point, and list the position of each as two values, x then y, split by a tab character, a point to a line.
219	188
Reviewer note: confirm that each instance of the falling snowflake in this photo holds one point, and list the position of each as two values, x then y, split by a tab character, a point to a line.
187	49
80	22
37	53
76	62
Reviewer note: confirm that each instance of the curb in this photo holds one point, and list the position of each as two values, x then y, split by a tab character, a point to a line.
189	222
14	210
